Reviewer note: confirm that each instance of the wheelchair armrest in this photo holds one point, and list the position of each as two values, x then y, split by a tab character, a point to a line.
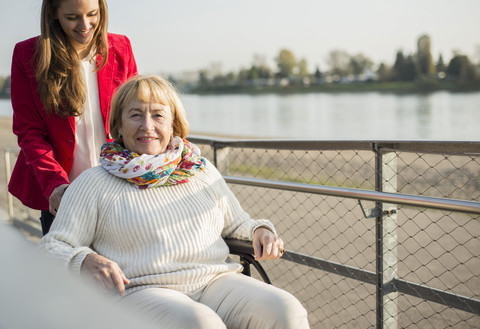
244	249
238	247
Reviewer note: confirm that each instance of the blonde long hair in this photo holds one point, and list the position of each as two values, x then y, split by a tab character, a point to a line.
60	82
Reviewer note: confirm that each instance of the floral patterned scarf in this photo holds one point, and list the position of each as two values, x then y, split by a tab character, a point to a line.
176	165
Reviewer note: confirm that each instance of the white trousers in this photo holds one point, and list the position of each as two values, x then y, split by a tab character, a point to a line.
233	301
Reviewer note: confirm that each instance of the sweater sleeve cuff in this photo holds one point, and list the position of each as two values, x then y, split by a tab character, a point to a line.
263	223
77	260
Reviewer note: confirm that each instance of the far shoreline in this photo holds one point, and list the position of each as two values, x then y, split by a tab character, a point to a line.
353	87
398	87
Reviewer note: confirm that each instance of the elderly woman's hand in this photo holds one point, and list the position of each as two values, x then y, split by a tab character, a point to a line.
266	245
105	272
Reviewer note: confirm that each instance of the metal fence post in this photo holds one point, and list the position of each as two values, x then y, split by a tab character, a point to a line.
379	239
386	237
390	241
8	173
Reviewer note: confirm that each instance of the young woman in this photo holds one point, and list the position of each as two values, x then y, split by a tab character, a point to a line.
61	88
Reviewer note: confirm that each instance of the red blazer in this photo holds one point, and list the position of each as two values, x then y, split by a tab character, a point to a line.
47	142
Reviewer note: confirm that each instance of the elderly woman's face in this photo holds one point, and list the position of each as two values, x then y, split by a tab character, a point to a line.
146	128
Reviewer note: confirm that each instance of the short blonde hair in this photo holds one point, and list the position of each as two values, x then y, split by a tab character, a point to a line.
148	89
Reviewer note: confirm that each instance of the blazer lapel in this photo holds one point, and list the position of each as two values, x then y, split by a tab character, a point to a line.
105	82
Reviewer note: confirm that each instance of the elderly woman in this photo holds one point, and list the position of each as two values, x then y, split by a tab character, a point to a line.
149	224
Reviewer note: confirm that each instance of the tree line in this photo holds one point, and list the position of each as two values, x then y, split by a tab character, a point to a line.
342	67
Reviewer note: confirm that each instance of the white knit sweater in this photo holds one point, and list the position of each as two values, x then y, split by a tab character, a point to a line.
169	236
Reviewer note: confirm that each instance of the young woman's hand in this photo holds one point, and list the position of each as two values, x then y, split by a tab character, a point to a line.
105	272
56	197
266	245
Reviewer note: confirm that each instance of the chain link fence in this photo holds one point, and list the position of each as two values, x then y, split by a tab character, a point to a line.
433	249
429	272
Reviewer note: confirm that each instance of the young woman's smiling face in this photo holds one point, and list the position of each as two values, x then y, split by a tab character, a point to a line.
146	128
79	19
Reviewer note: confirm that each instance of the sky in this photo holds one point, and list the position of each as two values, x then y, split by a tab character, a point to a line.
169	37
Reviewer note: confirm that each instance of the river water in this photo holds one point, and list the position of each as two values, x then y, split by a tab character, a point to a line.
334	116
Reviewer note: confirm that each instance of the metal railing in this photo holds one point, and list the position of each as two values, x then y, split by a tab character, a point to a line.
397	177
378	234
